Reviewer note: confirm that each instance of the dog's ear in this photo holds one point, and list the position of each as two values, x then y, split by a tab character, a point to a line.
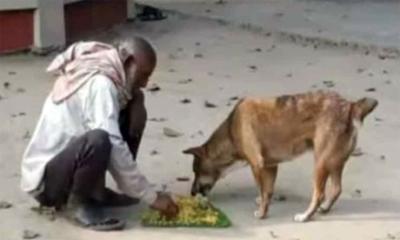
196	151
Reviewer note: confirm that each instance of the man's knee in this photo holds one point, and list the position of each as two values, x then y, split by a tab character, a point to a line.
99	140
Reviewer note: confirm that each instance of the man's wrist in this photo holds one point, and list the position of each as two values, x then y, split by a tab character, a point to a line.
150	196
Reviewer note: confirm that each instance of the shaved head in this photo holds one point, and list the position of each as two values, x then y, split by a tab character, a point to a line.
139	58
138	47
142	46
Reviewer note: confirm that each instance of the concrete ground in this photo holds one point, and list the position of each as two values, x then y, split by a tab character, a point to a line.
219	59
367	22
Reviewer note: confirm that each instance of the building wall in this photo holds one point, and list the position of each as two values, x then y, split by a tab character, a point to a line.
27	23
16	30
82	18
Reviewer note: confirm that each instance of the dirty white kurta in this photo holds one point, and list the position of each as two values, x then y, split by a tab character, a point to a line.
94	106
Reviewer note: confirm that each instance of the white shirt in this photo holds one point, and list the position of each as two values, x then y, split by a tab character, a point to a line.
94	106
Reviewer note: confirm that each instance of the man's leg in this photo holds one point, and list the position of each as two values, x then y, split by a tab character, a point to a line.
133	122
77	170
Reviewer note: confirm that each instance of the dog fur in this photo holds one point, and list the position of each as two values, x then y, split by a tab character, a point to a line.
265	132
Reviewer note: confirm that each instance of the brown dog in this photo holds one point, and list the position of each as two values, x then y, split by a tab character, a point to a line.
266	132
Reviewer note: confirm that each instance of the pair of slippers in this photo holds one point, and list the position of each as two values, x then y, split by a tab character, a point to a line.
94	218
93	215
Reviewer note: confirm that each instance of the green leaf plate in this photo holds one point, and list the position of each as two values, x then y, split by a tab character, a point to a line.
151	218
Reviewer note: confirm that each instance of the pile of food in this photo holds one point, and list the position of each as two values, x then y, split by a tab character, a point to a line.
193	212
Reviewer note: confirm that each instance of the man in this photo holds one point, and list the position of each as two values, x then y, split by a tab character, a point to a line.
92	122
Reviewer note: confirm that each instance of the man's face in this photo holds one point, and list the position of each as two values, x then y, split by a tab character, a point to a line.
138	71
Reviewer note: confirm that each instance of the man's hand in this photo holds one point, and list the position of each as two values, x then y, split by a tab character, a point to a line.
165	205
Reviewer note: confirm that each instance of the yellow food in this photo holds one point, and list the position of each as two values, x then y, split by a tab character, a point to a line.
193	211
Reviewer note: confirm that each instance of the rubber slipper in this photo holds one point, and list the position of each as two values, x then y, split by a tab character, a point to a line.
95	219
109	224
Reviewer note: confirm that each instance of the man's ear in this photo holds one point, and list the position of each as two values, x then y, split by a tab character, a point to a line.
132	58
196	151
123	53
129	61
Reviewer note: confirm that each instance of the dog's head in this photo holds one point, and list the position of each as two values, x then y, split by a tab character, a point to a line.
205	173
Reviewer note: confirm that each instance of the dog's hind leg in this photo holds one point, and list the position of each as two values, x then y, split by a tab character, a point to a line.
332	146
338	157
322	154
336	154
335	190
320	177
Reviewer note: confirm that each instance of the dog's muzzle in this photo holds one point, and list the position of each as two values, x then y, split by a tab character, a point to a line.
202	189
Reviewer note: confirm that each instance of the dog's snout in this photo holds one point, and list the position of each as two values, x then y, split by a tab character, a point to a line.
195	188
203	189
193	192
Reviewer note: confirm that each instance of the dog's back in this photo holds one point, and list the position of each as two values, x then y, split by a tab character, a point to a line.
286	126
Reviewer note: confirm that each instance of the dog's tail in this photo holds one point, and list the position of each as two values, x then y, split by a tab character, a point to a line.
361	108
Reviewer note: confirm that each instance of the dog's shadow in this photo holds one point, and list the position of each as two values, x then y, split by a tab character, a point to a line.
366	209
240	206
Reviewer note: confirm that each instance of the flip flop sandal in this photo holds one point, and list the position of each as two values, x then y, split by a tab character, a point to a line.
109	224
93	218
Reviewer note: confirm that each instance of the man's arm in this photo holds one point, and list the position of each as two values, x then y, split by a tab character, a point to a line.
103	113
132	122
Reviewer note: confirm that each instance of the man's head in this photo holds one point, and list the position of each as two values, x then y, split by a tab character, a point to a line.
139	59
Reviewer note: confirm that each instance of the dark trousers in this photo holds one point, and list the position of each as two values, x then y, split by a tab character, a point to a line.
81	167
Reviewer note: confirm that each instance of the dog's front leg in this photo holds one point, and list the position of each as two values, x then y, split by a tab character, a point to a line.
263	200
265	178
252	153
320	177
271	173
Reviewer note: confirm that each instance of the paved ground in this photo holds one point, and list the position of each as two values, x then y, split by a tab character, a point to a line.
222	72
365	21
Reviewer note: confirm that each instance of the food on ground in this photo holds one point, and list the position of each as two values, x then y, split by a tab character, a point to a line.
193	212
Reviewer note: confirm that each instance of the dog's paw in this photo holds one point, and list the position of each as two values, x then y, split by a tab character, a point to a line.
301	217
258	214
323	210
